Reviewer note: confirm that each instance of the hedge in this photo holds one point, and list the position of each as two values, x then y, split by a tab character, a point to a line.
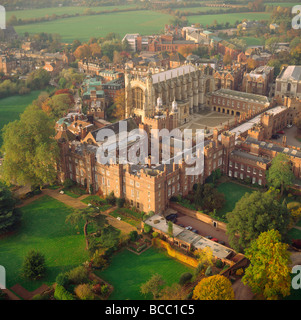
61	293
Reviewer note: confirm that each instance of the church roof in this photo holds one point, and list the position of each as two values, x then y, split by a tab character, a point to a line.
173	73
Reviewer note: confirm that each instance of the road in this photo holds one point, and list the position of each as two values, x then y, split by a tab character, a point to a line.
203	228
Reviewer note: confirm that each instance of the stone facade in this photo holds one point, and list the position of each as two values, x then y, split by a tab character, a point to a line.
187	85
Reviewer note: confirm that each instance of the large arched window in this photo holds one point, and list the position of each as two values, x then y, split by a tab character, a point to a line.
137	95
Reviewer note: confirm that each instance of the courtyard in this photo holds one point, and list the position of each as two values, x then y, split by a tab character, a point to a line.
128	271
208	119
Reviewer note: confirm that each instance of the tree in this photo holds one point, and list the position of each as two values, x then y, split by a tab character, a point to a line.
205	256
30	149
174	292
58	105
33	267
170	229
216	287
119	102
90	216
9	215
83	52
227	59
253	214
269	271
280	173
153	285
208	197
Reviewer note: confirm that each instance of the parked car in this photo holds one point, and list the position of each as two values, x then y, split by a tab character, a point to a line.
172	216
214	239
275	136
289	125
209	237
221	242
181	225
195	231
189	228
280	132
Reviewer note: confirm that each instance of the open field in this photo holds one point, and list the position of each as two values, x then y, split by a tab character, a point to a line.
282	4
199	9
85	27
230	17
38	13
127	271
43	228
12	107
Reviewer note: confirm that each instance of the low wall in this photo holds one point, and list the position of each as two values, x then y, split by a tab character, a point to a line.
199	215
174	253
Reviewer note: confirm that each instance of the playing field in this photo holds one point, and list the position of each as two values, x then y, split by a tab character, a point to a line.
38	13
43	228
85	27
282	4
127	271
230	17
11	107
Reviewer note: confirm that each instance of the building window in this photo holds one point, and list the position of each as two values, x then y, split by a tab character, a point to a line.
137	95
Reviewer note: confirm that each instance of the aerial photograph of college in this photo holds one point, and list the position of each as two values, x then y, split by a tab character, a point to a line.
150	152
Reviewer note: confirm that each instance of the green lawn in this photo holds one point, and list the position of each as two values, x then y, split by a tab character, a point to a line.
233	192
38	13
127	271
85	27
252	41
43	228
120	212
199	9
230	17
12	107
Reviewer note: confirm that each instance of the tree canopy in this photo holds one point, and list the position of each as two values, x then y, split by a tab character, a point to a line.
216	287
30	149
280	173
253	214
269	271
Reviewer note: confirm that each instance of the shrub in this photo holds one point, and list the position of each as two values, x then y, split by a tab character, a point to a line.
84	292
155	234
111	199
98	260
133	235
60	293
219	264
41	297
239	272
208	271
68	183
185	277
199	268
62	279
34	265
139	249
104	289
147	228
78	275
120	202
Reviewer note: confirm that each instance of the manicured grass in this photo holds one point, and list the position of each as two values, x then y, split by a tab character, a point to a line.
43	228
85	27
252	41
233	192
127	271
91	198
38	13
126	218
199	9
230	17
12	107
